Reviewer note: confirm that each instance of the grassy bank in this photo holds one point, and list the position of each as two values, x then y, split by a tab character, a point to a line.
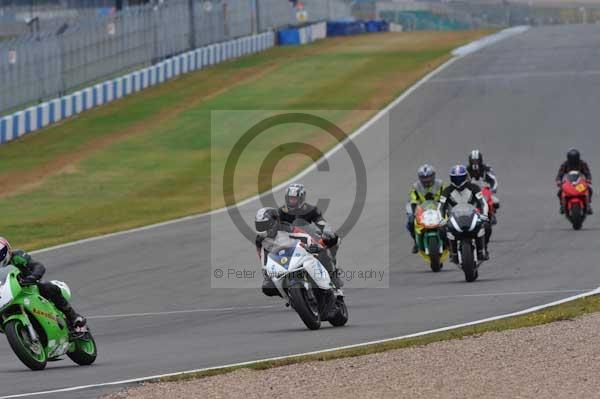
566	311
147	158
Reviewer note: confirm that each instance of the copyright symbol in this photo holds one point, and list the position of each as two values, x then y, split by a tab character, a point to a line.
218	273
266	171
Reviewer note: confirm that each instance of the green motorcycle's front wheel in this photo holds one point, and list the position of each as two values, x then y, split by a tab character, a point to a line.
434	254
32	355
85	351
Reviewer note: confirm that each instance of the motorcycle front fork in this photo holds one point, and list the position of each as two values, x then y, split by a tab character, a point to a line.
35	340
479	245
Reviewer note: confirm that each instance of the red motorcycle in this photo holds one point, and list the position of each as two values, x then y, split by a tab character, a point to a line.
575	195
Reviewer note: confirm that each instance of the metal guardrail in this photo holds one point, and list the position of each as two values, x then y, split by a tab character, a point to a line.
58	60
39	116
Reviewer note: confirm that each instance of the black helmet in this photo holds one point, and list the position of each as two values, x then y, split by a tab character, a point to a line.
426	175
475	160
573	157
266	222
295	196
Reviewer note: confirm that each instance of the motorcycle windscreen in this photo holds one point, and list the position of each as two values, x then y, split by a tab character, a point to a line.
6	295
4	272
301	226
573	177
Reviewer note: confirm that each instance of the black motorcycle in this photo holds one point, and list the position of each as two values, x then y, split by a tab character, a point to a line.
465	224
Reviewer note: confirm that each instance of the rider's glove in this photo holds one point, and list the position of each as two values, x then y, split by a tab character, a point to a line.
558	183
330	238
313	249
28	280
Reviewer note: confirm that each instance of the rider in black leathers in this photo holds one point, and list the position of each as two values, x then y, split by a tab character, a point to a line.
461	190
296	207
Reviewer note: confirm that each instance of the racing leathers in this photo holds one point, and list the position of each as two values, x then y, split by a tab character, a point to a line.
312	214
32	272
483	177
419	194
471	194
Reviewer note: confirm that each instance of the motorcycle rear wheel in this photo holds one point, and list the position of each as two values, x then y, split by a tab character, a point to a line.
309	314
85	351
468	262
341	315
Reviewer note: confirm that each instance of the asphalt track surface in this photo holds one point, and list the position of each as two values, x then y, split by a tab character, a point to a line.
523	102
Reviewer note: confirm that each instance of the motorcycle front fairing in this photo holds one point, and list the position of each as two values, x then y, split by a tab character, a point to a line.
25	303
464	222
289	257
574	186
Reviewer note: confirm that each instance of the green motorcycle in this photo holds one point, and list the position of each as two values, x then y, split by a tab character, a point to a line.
36	330
430	235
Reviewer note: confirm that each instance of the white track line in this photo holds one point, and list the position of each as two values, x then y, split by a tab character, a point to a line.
490	294
174	312
419	334
260	307
518	75
488	41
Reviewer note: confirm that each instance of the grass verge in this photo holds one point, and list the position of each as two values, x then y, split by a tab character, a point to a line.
565	311
148	157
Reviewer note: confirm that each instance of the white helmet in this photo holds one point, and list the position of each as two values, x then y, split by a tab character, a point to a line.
5	252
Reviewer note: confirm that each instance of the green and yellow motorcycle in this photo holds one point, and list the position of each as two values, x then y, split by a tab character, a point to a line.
430	235
36	330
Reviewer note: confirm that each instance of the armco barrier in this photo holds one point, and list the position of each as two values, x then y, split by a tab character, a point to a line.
377	26
304	35
346	28
34	118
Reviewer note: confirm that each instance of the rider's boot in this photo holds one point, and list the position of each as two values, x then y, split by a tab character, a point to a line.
74	319
562	206
332	306
336	281
268	288
496	203
335	278
410	226
590	211
415	248
453	247
482	253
